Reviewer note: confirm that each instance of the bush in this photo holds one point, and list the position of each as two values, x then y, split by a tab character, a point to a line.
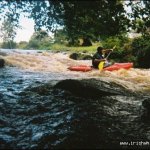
22	45
141	50
33	44
122	52
9	45
117	41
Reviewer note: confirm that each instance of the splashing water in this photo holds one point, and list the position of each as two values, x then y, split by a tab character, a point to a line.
133	79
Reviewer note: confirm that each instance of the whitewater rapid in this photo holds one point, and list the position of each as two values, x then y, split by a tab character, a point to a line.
133	79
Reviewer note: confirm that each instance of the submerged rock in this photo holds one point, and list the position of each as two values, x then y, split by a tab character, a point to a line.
3	53
146	104
146	111
2	62
92	88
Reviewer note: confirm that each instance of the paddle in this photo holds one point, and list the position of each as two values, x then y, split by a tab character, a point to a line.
101	64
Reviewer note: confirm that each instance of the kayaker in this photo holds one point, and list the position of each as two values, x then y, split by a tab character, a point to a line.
99	57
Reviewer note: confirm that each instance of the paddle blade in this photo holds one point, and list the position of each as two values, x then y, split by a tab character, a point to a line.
101	65
114	47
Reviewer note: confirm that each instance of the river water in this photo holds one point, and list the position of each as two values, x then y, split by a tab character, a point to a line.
35	114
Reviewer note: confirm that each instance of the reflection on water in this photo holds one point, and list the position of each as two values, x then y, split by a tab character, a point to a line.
34	114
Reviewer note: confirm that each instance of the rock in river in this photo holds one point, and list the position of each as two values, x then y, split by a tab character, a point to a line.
2	62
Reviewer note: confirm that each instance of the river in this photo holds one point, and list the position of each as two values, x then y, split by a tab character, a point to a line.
37	114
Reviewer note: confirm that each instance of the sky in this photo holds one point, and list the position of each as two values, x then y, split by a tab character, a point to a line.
27	30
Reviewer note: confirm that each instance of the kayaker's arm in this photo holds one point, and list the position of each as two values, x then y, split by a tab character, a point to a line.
107	52
99	60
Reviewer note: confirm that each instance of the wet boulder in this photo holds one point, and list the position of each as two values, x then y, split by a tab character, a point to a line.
74	56
80	56
146	108
92	88
87	57
2	62
3	53
146	104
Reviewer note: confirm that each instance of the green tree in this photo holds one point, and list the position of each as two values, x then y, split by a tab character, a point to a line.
39	35
22	45
140	20
141	49
60	36
39	40
8	33
88	19
81	19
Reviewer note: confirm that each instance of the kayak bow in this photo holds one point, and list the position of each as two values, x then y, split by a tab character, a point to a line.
117	66
83	68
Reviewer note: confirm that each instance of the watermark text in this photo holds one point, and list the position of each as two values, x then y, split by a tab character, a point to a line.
135	143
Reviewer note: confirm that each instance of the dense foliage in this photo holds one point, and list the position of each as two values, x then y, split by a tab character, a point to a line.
81	19
9	45
140	15
89	19
39	40
141	49
122	51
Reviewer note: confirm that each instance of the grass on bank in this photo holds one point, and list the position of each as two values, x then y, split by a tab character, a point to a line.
83	49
